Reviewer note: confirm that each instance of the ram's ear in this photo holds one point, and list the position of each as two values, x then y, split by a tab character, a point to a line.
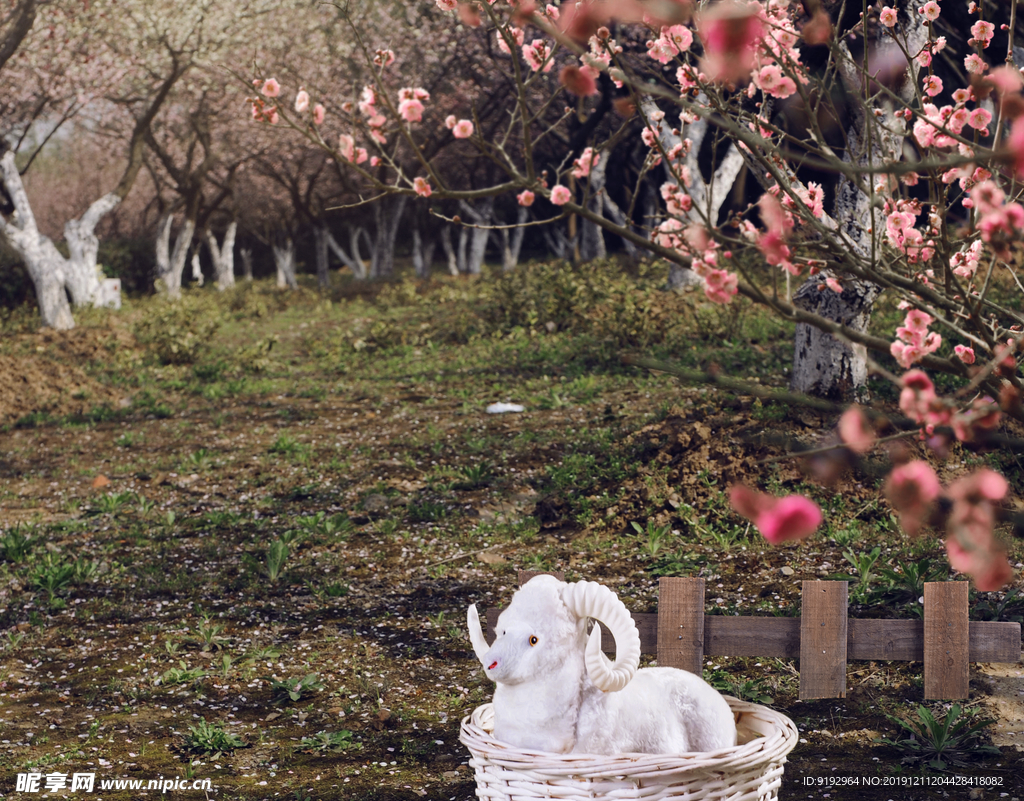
476	634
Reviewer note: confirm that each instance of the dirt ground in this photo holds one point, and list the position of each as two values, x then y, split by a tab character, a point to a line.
183	545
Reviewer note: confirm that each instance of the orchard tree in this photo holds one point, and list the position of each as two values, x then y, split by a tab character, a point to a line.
65	67
882	165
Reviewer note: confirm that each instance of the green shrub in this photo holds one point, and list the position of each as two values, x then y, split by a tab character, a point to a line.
176	331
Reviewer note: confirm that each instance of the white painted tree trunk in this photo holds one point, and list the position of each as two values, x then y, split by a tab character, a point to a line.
511	245
708	196
449	251
197	271
422	253
170	264
45	265
387	215
82	273
354	261
224	257
284	260
482	214
246	254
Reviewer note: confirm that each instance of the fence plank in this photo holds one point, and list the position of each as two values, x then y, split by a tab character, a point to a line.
946	640
779	637
823	633
681	623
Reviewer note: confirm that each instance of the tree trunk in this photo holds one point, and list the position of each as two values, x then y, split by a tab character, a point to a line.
387	215
616	215
82	272
449	251
224	257
197	271
512	244
483	215
246	254
320	235
559	245
171	267
354	262
43	261
182	243
822	364
592	244
284	260
422	254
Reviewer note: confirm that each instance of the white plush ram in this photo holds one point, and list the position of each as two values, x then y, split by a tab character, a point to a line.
556	690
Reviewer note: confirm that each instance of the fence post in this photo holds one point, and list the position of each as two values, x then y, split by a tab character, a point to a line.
823	630
681	623
946	640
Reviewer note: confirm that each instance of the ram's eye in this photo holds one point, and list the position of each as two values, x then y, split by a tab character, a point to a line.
533	640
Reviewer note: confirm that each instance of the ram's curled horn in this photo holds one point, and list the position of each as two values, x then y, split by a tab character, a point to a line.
476	634
589	599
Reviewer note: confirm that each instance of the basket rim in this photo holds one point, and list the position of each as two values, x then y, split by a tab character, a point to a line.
762	750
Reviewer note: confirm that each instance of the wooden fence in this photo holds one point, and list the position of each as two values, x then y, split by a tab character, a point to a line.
823	638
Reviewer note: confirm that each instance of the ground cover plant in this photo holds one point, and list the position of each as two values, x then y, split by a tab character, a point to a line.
254	566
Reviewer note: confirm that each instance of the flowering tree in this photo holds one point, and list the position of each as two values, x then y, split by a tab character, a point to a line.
878	165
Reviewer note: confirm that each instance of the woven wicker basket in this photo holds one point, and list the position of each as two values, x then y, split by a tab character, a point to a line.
751	771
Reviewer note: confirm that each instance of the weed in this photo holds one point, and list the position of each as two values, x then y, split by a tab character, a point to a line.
944	743
864	564
426	511
181	675
286	445
749	690
16	546
330	741
655	534
1010	608
209	634
277	555
294	689
207	738
112	502
333	528
274	558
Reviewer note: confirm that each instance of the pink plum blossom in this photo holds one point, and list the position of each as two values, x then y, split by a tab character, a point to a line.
347	147
888	17
793	517
318	114
964	353
463	129
720	286
421	187
271	88
525	198
855	431
301	101
912	488
560	195
932	85
931	11
730	32
579	81
410	110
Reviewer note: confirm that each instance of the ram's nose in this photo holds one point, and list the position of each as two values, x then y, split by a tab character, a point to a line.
493	665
